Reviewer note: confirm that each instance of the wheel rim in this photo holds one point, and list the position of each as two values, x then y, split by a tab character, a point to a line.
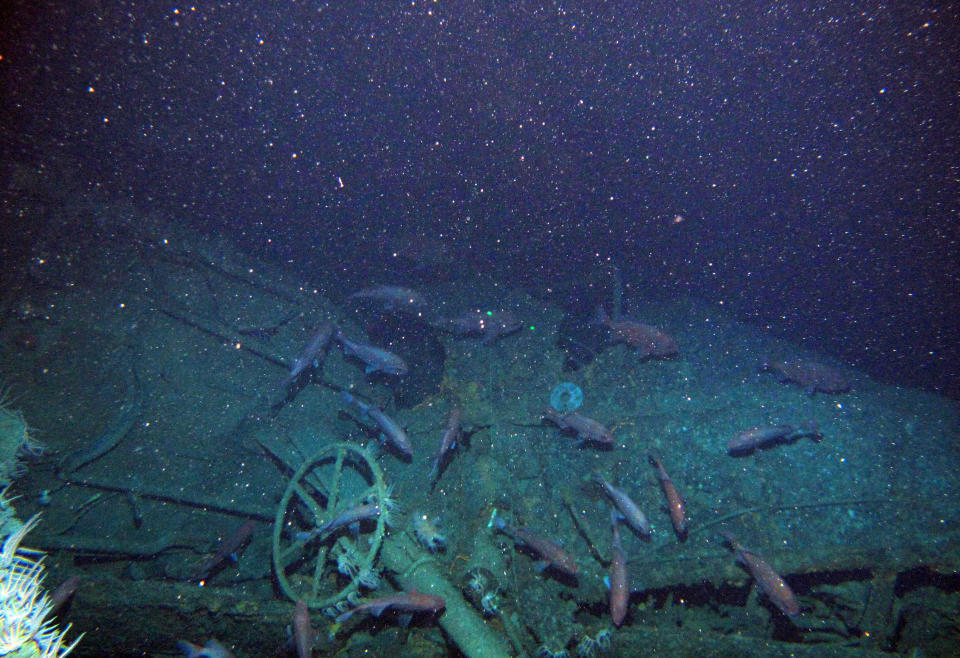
325	484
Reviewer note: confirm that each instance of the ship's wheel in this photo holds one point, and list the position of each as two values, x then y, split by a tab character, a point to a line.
325	569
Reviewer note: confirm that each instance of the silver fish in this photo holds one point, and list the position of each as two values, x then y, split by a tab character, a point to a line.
390	429
627	508
376	358
312	352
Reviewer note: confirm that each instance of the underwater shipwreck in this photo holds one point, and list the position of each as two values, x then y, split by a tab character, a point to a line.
199	481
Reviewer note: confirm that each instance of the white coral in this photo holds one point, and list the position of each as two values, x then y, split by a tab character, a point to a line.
428	533
489	604
388	505
476	582
24	606
587	647
369	578
603	639
347	564
15	441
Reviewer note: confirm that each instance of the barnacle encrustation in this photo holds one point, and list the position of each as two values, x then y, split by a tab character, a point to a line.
543	651
603	638
587	647
490	603
348	562
369	578
480	587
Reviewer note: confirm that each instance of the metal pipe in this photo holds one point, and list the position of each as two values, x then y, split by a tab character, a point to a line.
417	570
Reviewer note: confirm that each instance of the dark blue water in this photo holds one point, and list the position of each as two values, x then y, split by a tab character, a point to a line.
809	151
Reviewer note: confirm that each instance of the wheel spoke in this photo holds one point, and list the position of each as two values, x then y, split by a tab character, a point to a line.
295	549
318	571
337	472
318	512
313	479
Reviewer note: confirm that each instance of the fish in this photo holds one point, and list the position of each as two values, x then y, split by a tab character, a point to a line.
302	632
431	253
228	547
312	353
394	298
412	601
390	430
348	517
628	509
451	434
767	436
553	555
648	341
489	324
375	358
63	593
767	579
588	429
675	503
812	376
619	581
212	649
